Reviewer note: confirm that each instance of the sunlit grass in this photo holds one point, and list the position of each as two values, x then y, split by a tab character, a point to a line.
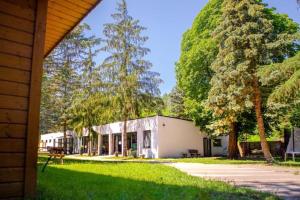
127	180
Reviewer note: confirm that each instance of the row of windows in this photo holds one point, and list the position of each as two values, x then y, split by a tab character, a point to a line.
46	141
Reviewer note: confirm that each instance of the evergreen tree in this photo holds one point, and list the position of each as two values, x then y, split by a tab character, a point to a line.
86	101
247	41
126	72
176	99
63	70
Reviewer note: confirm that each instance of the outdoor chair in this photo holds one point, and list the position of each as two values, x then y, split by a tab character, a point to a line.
194	153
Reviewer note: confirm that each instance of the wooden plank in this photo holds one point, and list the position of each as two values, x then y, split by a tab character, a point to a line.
15	61
61	19
12	131
67	5
13	88
11	189
57	24
15	48
13	116
82	4
17	23
8	175
28	4
92	2
53	38
61	11
17	10
13	102
9	145
11	160
16	35
10	74
34	100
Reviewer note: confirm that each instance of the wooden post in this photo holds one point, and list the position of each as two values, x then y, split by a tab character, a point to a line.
34	100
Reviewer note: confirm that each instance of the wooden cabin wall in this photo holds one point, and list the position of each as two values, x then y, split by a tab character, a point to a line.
22	32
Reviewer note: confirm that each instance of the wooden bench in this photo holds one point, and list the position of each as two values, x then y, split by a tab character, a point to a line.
194	153
54	152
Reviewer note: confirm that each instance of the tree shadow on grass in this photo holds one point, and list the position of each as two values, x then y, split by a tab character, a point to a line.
57	183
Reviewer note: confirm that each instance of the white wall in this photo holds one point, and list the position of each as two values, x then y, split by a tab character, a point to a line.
220	151
176	136
137	125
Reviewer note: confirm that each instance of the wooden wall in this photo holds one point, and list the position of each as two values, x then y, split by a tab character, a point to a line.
22	32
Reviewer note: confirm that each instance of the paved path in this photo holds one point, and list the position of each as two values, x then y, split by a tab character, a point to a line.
282	181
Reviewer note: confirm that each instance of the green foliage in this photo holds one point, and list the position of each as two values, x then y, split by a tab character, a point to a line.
174	104
62	79
126	74
198	51
295	116
285	78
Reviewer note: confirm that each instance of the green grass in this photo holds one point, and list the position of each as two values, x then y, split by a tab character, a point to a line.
214	160
130	181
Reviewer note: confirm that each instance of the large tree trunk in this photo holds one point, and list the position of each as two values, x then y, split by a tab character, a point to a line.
124	138
260	121
232	145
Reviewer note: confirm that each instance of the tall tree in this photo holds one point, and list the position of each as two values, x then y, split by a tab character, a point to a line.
88	96
128	75
247	41
176	103
64	68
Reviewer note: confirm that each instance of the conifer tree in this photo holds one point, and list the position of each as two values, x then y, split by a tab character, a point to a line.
63	70
247	40
127	73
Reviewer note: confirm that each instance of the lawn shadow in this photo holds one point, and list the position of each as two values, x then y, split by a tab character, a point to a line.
57	183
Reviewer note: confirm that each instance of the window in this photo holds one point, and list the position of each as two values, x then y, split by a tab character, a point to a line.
147	139
49	141
217	143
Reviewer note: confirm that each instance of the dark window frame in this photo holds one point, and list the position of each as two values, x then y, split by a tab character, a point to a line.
217	142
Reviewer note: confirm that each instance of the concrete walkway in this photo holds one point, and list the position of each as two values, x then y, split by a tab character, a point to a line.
282	181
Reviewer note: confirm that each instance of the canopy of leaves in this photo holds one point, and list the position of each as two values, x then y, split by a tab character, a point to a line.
198	51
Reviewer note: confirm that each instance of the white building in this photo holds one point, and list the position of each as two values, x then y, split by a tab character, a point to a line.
157	137
56	140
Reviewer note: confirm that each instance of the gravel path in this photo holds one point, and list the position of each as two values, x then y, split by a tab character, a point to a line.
282	181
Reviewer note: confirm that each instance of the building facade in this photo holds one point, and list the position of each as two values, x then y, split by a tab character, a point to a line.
151	137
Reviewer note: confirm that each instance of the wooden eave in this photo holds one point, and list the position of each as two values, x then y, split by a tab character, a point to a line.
62	17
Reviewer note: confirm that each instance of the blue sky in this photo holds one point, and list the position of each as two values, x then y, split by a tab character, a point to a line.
166	21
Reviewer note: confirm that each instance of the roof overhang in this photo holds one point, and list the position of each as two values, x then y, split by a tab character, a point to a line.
62	17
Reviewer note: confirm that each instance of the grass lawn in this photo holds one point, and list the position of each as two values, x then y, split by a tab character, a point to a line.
128	180
215	160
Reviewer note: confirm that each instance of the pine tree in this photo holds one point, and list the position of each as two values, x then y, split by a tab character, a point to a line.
63	71
127	74
247	40
177	108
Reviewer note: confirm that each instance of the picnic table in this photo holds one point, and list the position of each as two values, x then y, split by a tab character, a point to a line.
54	152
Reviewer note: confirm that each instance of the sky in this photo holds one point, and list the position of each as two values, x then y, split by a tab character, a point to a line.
166	21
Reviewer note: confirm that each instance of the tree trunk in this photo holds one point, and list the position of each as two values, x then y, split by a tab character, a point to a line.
260	121
232	146
89	143
124	138
65	137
